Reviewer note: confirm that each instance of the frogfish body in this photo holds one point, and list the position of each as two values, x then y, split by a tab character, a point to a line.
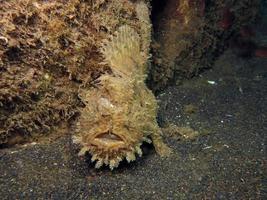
120	112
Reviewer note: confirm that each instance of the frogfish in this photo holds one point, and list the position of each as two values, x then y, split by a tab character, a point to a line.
120	111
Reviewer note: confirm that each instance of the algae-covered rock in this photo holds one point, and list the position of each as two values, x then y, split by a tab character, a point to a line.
48	49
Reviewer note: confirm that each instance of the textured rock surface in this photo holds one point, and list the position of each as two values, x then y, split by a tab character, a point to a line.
190	34
48	49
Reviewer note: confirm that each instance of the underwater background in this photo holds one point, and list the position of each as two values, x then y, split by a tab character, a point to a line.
207	69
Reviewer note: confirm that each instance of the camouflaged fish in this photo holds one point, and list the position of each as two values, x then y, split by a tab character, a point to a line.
120	113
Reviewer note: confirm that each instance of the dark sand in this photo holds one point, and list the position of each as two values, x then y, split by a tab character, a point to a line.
226	161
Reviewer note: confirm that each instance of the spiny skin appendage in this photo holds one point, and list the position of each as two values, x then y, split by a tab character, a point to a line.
120	113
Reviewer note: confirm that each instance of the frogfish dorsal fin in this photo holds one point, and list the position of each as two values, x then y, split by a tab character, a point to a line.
122	51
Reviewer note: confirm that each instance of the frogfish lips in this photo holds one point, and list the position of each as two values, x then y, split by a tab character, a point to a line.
109	148
108	140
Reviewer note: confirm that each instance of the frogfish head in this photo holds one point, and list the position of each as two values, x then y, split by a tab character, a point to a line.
110	130
109	142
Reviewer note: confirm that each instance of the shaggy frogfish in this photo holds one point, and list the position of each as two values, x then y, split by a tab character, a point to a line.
120	113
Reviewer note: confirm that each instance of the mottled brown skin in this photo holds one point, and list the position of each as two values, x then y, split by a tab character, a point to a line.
119	116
